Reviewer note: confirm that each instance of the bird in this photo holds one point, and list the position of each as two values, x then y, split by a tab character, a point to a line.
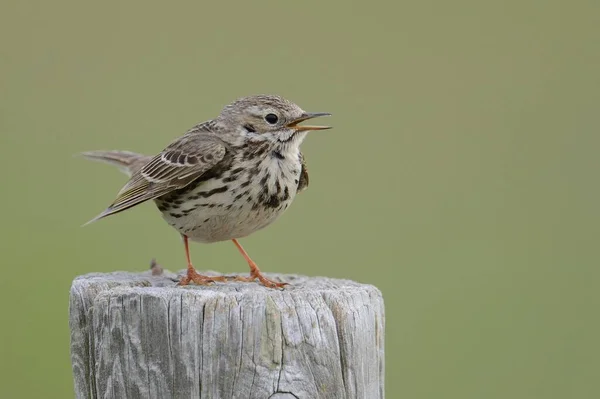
224	179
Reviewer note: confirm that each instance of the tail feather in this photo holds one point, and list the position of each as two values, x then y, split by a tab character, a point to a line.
129	162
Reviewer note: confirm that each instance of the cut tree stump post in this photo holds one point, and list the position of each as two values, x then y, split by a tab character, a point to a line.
135	335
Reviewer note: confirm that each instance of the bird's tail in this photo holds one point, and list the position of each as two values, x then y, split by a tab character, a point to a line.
129	162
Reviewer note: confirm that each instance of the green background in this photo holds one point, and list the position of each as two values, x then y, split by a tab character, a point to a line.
461	177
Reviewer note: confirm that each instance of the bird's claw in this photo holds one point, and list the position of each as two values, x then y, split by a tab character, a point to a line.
198	279
262	279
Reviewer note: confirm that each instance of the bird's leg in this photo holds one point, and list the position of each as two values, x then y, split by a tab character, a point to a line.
192	274
255	271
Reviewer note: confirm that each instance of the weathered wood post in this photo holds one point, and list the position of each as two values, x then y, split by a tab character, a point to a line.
140	336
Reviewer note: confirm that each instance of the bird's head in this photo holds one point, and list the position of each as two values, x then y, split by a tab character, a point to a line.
269	117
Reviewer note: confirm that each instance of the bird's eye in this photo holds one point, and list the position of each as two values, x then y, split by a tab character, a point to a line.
271	118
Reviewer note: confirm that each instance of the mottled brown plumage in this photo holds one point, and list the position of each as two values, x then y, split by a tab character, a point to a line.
225	178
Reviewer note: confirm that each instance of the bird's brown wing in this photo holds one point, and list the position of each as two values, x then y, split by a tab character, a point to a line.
182	162
303	180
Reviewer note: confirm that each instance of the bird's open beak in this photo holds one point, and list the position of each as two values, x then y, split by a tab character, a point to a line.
306	116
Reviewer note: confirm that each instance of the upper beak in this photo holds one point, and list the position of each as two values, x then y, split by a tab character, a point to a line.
308	115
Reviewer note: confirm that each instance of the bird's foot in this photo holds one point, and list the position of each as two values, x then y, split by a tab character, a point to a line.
256	274
193	276
255	271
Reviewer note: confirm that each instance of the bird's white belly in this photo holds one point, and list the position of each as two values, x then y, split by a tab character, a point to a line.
212	225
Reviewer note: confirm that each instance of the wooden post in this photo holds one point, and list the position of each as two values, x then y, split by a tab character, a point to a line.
135	335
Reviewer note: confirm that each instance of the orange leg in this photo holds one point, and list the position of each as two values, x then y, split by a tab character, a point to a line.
192	274
255	271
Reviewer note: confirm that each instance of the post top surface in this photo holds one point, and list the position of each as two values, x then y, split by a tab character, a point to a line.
166	283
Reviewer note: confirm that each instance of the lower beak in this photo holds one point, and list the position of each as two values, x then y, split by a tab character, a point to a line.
306	116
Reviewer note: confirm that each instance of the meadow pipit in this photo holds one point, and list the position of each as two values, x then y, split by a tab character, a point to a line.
224	179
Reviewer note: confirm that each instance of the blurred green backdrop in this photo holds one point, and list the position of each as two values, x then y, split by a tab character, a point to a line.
461	177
